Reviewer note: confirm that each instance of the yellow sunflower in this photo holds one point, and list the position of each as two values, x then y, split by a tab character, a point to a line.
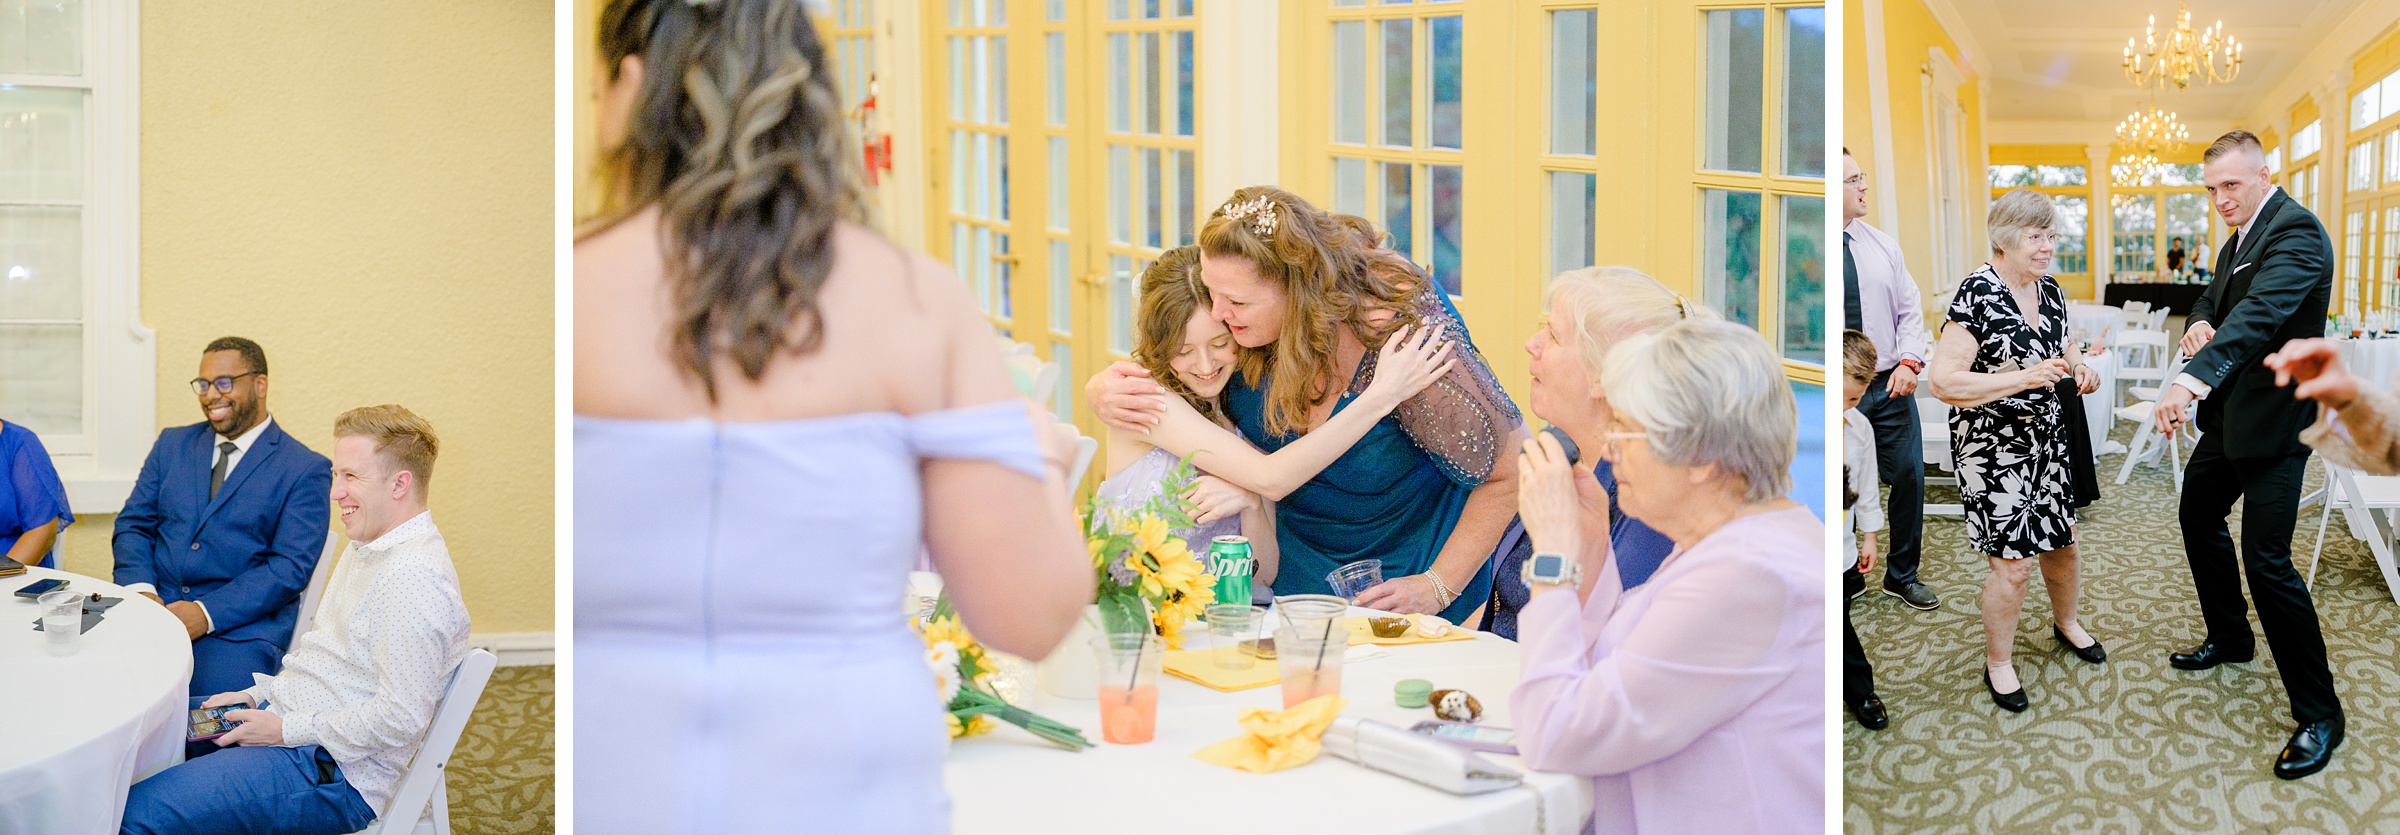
980	724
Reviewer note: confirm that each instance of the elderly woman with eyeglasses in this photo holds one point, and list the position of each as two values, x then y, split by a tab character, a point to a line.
1695	701
2002	352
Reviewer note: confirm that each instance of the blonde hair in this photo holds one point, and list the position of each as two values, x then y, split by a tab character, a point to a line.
2018	210
1600	306
1858	356
1334	271
739	138
403	440
1709	393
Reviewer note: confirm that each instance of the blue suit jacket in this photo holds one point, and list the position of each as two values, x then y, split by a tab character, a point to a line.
248	553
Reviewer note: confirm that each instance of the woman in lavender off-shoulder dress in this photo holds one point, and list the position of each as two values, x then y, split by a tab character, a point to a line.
776	411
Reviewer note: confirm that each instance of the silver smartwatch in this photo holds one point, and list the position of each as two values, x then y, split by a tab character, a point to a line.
1551	568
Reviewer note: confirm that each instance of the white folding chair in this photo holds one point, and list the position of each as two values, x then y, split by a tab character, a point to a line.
2141	357
422	798
1085	450
2147	442
1933	434
1045	383
316	585
2368	504
2158	319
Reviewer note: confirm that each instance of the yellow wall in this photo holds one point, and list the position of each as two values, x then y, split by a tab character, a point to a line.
1908	30
365	189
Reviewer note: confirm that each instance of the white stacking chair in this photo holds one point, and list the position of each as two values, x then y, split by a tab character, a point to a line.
2158	319
422	799
2147	442
316	585
1086	448
2141	357
2368	506
1933	433
1045	383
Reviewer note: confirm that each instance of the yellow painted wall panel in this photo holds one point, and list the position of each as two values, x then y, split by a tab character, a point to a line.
366	190
1909	29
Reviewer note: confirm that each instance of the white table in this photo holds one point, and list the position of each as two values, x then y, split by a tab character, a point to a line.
82	729
1011	781
2373	361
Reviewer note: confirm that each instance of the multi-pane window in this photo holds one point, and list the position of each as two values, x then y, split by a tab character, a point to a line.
2134	219
2354	239
1398	82
2069	186
1761	169
975	41
43	207
1150	148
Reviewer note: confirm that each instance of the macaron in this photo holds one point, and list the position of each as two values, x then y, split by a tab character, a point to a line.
1411	692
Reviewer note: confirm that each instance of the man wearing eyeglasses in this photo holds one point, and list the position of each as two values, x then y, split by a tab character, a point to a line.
226	523
1880	299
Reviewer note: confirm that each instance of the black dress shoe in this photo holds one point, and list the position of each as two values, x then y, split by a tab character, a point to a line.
2204	656
1870	713
2310	749
1913	593
2094	653
2013	702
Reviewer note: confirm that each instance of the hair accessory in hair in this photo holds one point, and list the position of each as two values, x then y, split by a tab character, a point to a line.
1260	211
1680	312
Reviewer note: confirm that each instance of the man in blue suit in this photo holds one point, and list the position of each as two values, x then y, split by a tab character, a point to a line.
226	523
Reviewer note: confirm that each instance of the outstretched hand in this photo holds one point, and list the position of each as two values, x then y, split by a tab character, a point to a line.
2316	364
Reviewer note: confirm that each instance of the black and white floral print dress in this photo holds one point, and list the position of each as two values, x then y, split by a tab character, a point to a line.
2011	453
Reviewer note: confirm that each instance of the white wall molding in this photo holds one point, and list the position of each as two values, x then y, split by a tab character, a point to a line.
1879	115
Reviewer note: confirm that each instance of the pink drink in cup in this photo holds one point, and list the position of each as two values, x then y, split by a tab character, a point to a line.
1309	662
1128	673
1128	717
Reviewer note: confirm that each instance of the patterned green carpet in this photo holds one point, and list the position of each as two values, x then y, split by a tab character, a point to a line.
2132	745
501	775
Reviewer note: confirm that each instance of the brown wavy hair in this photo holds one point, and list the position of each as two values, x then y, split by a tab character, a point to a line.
1334	271
1171	290
739	137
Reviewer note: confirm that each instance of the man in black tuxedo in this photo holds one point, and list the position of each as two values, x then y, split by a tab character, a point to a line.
2271	286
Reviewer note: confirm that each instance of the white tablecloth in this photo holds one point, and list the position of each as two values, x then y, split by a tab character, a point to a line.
1011	781
2092	322
2096	411
79	730
2373	361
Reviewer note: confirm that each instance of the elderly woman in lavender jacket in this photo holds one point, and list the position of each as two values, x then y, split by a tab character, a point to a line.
1696	701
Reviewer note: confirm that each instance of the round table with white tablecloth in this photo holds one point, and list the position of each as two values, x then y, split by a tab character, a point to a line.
80	730
2092	323
1011	781
2373	361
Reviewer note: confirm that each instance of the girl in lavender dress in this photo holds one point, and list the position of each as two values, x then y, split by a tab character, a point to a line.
776	412
1191	354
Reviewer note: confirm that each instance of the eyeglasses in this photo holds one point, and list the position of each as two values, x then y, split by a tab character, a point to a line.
1858	180
224	384
1612	444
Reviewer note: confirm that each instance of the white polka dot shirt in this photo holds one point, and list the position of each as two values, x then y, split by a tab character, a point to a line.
365	678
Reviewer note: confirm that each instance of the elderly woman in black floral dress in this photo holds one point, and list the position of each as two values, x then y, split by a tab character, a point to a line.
2002	350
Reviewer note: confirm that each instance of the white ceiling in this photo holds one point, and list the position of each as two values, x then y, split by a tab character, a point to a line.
2060	60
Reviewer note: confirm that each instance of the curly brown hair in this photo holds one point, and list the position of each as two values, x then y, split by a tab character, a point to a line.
739	137
1334	271
1171	290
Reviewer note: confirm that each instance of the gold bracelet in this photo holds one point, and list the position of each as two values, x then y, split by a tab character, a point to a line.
1442	595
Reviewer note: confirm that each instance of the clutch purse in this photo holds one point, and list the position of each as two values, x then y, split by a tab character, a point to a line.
1416	757
10	568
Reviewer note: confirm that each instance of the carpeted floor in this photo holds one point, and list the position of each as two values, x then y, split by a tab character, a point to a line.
501	775
2132	745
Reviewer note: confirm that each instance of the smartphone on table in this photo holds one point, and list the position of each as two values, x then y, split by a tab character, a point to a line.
38	588
210	722
1475	737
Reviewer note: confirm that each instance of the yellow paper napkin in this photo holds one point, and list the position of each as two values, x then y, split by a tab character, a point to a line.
1275	740
1361	633
1200	665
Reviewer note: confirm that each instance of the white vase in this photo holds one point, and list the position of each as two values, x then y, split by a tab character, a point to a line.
1070	671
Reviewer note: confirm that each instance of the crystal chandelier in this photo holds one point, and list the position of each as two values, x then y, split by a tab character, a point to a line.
2148	135
2183	57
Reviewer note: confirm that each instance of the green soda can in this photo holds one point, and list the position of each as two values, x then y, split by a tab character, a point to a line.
1229	559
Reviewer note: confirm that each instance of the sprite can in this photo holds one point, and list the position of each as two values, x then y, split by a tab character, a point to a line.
1229	559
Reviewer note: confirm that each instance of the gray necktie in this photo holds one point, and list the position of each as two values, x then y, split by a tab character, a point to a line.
216	474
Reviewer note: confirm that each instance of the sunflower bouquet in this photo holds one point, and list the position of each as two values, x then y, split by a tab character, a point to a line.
1148	578
965	674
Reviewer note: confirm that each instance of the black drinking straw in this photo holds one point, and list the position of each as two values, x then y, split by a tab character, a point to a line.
1138	650
1327	638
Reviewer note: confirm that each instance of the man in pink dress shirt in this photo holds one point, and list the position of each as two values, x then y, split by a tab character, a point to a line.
1879	298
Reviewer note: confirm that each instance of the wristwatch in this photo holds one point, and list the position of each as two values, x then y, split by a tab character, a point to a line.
1915	366
1551	568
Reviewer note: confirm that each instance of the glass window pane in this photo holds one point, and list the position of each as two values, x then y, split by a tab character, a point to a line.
981	176
2391	157
1120	52
1120	304
1062	396
1000	173
1444	60
981	265
981	67
41	378
41	144
1734	94
1395	79
1729	253
1153	194
1804	97
1120	194
1349	85
2061	175
1183	8
999	15
1060	176
1149	8
1183	81
41	262
1396	218
42	38
1446	189
1116	9
1350	186
2362	166
1062	283
1000	284
1572	198
959	153
2135	218
1187	224
2362	108
1000	80
962	252
1574	79
1802	318
2180	175
2009	176
1150	82
958	12
2074	229
1057	11
1056	43
2187	218
1340	3
958	79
